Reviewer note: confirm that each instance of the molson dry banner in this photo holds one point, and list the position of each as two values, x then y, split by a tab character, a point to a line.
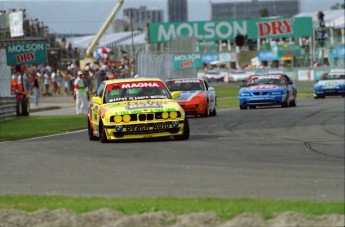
228	29
26	53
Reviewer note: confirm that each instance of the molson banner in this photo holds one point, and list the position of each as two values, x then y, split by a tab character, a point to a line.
26	53
187	61
228	29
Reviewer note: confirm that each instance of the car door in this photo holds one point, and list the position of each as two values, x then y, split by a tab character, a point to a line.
95	106
291	88
211	95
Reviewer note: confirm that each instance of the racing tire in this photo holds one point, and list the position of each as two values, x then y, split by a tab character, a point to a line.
25	103
90	131
207	111
293	103
242	107
186	131
213	112
102	135
285	104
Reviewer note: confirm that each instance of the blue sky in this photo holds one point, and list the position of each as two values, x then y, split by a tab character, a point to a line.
87	16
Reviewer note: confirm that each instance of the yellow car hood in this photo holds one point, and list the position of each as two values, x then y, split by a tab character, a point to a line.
132	107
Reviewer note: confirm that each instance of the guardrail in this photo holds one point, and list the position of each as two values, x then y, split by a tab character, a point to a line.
7	108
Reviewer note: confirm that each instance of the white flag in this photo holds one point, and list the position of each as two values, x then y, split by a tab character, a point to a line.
16	24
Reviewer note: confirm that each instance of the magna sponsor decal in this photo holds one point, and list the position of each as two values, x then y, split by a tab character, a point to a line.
140	84
187	81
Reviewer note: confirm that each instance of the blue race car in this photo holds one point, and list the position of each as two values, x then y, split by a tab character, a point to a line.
267	90
331	84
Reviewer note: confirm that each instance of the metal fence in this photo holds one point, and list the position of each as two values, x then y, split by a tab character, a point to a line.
157	61
7	108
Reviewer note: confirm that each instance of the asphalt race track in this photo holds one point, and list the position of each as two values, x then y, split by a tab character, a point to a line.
283	153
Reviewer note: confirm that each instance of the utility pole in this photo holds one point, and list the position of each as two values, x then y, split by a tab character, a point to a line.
133	58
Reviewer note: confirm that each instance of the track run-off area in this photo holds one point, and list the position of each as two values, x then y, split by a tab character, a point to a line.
270	152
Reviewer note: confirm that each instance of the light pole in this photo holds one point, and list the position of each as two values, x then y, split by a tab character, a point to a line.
133	59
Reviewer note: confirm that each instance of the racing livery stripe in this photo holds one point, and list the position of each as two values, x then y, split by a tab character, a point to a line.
186	96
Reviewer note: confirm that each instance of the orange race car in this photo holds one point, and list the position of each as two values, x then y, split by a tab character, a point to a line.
197	97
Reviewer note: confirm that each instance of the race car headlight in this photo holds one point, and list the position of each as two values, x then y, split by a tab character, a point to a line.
126	118
173	114
165	115
276	93
118	118
245	94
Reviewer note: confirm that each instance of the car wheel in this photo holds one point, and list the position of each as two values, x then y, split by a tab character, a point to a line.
102	134
286	102
214	112
90	131
252	107
243	107
207	110
186	131
293	103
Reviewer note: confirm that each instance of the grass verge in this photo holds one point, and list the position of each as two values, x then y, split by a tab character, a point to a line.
224	208
34	126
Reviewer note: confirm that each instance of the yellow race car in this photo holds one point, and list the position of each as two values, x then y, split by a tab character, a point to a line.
136	108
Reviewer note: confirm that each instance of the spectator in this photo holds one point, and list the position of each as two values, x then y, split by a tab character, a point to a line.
46	80
54	83
36	88
58	79
66	82
81	94
101	75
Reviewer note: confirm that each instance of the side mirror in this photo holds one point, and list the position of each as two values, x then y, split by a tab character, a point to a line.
97	100
175	94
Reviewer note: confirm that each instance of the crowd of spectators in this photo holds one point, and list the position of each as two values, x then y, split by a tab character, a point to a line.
54	82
